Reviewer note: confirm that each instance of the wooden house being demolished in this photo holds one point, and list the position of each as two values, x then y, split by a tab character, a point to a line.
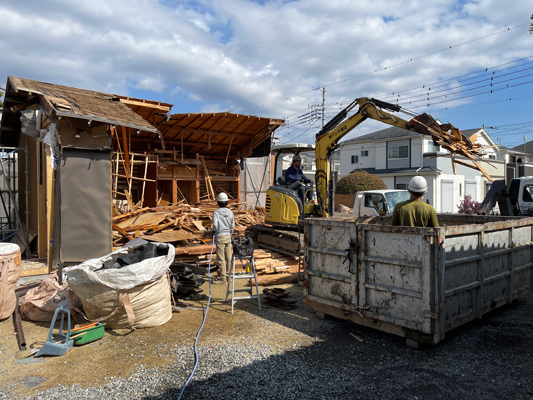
93	155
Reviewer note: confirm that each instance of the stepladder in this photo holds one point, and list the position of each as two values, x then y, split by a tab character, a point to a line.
248	263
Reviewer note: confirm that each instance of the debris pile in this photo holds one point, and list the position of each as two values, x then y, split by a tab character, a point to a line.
186	225
279	298
273	268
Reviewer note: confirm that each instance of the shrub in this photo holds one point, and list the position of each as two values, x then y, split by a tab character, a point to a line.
467	206
357	181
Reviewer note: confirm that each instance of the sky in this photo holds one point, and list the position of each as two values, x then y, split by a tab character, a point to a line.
274	58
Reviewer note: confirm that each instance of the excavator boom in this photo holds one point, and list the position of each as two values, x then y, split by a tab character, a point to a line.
445	135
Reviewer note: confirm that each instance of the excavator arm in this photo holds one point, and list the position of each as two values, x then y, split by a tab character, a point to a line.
327	140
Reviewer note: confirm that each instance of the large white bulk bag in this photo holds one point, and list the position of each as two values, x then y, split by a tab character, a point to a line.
126	288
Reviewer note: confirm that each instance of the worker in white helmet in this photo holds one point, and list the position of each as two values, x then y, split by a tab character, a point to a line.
223	224
415	212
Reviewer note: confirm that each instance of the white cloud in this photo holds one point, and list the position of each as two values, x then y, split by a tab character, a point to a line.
264	59
154	84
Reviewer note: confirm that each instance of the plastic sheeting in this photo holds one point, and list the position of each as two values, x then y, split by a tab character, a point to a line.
255	180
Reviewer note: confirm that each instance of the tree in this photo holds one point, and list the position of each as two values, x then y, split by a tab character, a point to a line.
359	181
467	206
531	26
1	96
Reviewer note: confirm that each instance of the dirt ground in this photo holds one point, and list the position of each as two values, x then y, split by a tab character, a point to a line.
119	354
494	354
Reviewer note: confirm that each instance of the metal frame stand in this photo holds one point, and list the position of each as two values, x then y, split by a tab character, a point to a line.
252	274
11	174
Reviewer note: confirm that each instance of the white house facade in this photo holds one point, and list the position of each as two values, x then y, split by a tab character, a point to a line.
396	155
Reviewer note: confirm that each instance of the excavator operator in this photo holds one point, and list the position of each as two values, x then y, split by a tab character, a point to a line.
294	174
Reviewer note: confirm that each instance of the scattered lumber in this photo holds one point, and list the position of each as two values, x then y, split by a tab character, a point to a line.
187	226
274	279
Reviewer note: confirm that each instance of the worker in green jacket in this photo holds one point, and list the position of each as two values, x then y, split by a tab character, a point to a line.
415	212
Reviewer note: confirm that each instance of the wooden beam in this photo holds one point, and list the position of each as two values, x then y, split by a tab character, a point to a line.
229	148
134	177
142	104
209	187
206	132
26	104
126	152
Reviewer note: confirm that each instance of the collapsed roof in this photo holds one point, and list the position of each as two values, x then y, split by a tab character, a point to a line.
223	135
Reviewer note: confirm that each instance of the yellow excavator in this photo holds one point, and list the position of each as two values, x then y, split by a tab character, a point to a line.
284	208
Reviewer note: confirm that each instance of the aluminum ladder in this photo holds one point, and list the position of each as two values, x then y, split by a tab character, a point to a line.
250	273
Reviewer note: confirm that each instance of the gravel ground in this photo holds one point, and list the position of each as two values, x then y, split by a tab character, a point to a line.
314	359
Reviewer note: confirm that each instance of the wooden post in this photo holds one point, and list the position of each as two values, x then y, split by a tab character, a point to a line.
182	144
229	148
126	151
208	186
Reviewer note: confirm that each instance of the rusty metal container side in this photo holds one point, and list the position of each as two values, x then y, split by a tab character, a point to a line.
417	283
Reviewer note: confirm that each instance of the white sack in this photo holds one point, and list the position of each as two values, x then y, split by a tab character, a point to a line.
127	277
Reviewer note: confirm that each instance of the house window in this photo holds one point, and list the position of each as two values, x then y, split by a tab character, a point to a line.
512	159
364	153
355	159
398	152
433	148
492	157
337	167
401	186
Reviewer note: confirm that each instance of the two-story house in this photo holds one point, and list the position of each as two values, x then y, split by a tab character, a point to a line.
396	155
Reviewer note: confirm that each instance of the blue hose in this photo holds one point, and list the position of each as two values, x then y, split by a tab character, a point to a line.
203	322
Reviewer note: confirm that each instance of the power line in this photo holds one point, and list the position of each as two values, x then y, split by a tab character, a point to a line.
476	94
430	92
456	78
391	66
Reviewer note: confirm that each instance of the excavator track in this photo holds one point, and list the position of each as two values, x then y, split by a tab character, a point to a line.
283	241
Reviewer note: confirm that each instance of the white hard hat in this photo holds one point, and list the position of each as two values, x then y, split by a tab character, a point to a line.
297	158
418	185
222	197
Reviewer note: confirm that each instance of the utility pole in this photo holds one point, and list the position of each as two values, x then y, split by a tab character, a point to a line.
323	106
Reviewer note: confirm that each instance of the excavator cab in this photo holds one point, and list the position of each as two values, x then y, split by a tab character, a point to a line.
287	202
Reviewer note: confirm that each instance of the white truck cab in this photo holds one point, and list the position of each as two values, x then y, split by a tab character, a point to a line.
378	202
521	190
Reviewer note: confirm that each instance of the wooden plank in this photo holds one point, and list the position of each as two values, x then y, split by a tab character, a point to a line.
275	279
169	236
199	225
138	178
125	234
209	187
194	250
34	271
26	104
142	104
143	219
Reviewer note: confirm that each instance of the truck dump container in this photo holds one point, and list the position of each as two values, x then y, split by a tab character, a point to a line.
418	283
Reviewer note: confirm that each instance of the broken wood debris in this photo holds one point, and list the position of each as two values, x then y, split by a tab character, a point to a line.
450	138
189	226
280	298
